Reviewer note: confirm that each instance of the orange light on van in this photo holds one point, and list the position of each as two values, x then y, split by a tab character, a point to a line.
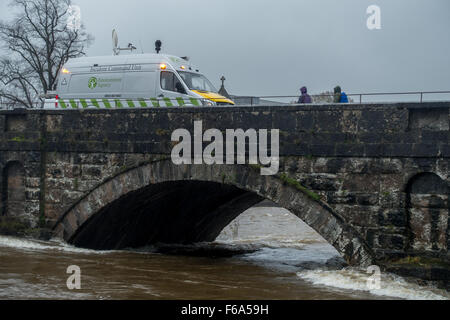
163	66
65	71
183	67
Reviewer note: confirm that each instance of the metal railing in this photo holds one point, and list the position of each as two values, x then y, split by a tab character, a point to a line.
418	96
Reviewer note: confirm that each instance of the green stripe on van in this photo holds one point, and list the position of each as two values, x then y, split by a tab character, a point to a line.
155	102
107	104
95	103
63	104
118	103
195	102
84	103
130	103
73	104
143	103
180	102
168	102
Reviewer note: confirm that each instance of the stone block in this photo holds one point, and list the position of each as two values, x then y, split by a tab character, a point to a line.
361	183
396	218
392	241
91	171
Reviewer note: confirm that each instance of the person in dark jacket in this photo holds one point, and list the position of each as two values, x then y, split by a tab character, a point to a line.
305	97
339	96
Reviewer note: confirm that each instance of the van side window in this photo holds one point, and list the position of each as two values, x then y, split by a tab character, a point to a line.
170	82
167	81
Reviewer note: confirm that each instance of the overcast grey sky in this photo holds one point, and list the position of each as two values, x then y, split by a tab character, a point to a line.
274	47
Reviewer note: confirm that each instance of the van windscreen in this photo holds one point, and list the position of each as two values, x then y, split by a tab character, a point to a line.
196	81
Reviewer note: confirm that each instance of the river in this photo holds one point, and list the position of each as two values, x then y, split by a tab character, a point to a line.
267	253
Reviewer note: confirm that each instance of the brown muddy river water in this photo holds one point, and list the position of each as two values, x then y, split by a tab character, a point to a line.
267	253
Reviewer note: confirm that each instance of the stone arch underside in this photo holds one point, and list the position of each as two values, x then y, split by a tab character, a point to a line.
164	203
180	212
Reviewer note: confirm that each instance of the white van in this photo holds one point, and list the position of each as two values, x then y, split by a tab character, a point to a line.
132	81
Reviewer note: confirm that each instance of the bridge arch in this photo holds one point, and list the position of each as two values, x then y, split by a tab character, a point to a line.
116	214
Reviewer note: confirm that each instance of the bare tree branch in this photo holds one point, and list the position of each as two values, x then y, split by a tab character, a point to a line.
38	42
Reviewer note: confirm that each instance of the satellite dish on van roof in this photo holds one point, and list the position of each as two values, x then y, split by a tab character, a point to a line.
115	41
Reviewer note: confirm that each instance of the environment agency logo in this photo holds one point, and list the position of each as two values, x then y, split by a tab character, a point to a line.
92	83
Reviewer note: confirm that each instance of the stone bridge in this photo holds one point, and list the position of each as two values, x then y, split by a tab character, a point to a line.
372	180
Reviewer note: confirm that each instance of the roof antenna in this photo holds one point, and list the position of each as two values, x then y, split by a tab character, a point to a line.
158	45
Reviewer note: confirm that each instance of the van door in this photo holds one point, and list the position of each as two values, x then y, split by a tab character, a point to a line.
171	87
140	85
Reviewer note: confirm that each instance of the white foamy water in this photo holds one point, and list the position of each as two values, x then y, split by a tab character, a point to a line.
34	245
21	290
293	244
391	285
286	250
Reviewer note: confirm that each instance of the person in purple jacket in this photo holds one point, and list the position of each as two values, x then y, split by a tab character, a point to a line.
305	97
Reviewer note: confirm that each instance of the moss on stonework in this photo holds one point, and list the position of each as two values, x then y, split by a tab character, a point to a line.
297	185
229	179
10	226
43	141
291	182
224	178
391	228
42	220
18	139
421	262
256	167
161	132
